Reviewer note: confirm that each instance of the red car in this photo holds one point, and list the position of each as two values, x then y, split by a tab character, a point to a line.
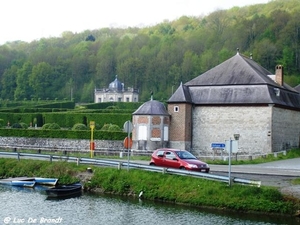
178	159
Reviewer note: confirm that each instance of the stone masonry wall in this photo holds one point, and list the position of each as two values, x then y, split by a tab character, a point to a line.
286	129
216	124
59	144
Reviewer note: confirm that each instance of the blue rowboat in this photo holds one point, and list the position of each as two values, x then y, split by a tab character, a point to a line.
29	181
45	181
22	183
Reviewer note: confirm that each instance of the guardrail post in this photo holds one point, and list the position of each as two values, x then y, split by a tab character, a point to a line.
119	165
284	152
77	161
51	158
18	155
164	170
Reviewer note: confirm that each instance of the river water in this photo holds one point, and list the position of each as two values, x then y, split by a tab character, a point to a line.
30	206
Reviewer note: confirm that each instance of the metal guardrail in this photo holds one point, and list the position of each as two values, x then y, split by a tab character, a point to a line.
120	164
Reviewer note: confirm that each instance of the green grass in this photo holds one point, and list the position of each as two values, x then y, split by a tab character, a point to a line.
296	181
191	191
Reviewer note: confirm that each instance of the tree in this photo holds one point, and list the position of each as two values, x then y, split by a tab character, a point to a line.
41	80
8	82
23	89
90	38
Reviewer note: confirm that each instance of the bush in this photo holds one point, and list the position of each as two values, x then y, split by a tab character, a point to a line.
111	127
16	125
24	125
51	126
46	126
79	126
54	126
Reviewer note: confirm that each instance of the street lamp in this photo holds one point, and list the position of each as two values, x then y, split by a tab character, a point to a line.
236	136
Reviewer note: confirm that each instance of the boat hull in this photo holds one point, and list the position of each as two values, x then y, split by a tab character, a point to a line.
64	191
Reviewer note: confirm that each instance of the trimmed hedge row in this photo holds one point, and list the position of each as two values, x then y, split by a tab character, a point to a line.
117	105
66	119
67	134
20	107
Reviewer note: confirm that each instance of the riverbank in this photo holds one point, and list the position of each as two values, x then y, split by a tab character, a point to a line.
158	187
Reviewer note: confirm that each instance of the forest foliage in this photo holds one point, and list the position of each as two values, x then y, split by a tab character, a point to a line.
156	58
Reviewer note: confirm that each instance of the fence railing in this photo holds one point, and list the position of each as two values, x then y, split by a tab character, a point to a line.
130	165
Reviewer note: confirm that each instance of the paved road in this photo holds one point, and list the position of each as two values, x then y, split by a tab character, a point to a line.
288	167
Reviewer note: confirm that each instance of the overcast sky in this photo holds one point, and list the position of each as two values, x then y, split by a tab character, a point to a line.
28	20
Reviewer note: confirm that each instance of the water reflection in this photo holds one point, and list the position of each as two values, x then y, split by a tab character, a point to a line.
98	209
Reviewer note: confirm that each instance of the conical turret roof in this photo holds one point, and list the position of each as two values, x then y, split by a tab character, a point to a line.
152	107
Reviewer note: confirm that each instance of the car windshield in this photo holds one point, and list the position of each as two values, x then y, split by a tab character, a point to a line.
185	155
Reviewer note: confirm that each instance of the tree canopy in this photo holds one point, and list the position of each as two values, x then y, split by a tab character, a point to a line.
156	58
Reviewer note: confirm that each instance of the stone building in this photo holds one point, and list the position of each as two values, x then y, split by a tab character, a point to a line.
116	92
151	126
237	97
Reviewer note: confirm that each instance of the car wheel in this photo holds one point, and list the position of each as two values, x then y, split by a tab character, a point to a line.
152	164
182	168
206	171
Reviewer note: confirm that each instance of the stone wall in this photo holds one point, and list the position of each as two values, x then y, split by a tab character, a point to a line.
262	129
59	144
286	129
217	124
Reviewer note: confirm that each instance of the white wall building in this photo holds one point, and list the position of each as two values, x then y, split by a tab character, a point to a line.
116	92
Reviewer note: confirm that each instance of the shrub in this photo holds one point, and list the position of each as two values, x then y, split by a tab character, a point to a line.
51	126
105	127
54	126
111	127
79	126
24	125
16	125
46	126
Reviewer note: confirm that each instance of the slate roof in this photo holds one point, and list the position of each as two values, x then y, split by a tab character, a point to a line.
116	85
238	80
182	94
152	107
297	88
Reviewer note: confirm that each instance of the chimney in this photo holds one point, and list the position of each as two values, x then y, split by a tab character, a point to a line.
279	75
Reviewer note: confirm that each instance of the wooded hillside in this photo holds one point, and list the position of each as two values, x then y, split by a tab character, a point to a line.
155	58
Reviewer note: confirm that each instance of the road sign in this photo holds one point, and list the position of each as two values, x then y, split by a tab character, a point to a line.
217	145
128	126
234	146
127	142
